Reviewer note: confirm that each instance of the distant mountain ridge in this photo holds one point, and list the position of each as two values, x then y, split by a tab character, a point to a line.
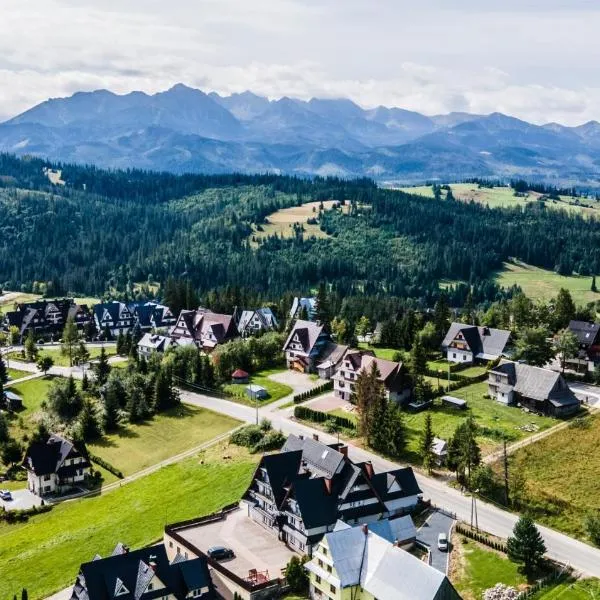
185	129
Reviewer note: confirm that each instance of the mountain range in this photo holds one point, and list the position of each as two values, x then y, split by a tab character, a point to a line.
186	130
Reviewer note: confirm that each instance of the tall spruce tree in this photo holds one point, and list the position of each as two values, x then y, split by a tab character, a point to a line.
526	545
70	338
3	371
564	309
426	444
102	368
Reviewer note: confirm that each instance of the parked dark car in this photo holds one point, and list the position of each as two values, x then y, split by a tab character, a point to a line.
5	495
220	553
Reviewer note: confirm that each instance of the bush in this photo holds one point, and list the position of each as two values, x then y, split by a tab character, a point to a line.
317	416
22	516
592	526
316	391
273	440
248	436
106	465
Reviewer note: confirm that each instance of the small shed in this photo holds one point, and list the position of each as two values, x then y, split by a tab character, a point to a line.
454	402
239	376
440	450
13	401
257	391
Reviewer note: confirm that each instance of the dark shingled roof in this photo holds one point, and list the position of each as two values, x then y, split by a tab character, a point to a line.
481	340
405	478
587	333
132	571
318	456
282	469
45	458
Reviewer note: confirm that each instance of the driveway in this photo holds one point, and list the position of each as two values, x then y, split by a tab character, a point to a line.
22	500
428	534
588	394
299	382
330	402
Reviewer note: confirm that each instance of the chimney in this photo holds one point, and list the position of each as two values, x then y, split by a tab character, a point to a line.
152	562
369	469
365	529
300	437
396	543
343	450
328	486
316	437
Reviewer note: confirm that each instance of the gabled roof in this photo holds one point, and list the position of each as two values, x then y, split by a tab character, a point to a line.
45	458
587	333
536	383
282	469
362	557
331	355
486	341
307	334
265	316
310	304
131	572
400	483
156	342
319	458
114	309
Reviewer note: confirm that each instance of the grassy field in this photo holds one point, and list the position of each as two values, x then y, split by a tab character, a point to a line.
561	471
9	299
503	197
17	373
53	545
33	393
475	569
135	447
579	589
60	359
281	222
385	353
542	284
276	390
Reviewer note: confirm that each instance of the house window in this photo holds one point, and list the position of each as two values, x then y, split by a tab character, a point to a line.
150	587
320	563
332	588
464	357
318	579
454	355
324	551
329	568
170	543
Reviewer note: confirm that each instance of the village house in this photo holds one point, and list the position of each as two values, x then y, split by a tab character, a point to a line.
469	343
303	307
10	401
144	574
541	390
252	322
368	562
151	316
301	492
151	343
330	358
304	345
113	317
46	318
204	328
588	336
54	466
393	375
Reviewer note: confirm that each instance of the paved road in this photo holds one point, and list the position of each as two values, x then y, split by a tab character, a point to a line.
428	534
491	518
588	394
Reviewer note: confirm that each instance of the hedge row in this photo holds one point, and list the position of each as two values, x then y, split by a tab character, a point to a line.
106	465
482	538
316	391
317	416
21	516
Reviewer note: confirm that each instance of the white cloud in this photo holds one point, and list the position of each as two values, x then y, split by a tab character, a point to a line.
428	56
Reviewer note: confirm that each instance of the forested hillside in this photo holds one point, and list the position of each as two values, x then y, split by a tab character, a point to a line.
103	229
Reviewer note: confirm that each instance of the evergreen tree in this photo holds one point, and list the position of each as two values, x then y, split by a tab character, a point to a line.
322	308
426	444
11	452
163	394
89	428
4	433
296	575
23	594
365	397
70	337
3	371
594	288
64	399
441	317
81	354
464	453
137	406
31	350
85	382
564	309
418	358
101	368
121	344
114	397
526	545
397	441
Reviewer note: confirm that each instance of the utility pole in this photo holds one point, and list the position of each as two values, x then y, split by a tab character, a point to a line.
506	497
474	510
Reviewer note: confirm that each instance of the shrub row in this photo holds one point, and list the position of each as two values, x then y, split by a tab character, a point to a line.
317	416
106	465
259	438
316	391
21	516
482	538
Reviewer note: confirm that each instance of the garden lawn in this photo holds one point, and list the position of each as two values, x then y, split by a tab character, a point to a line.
480	569
276	390
33	393
17	374
44	554
495	417
579	589
62	360
541	284
135	447
385	353
561	471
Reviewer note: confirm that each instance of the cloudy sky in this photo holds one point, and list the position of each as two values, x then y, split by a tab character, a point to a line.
535	59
